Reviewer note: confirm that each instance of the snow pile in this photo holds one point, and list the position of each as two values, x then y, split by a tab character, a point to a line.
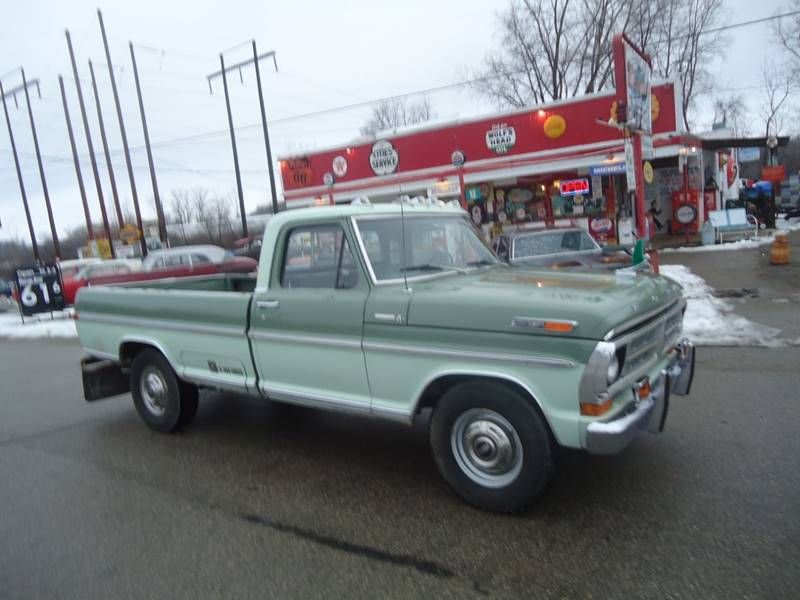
38	326
710	321
738	244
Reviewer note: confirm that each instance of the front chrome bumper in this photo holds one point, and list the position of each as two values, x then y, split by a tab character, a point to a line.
650	413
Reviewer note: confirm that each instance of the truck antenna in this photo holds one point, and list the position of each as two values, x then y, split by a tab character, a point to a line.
403	241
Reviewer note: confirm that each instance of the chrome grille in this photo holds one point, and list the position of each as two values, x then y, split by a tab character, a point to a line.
648	342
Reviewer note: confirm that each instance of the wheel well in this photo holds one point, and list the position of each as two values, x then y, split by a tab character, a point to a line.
129	350
439	386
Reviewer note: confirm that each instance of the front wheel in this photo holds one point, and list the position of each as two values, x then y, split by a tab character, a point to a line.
492	446
163	401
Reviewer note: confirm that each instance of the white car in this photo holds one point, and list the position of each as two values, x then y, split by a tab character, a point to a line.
188	256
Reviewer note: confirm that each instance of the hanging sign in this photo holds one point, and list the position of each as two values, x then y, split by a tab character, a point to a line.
617	168
328	179
383	159
630	170
457	158
501	138
40	289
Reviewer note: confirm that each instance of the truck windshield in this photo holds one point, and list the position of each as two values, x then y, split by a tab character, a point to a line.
433	244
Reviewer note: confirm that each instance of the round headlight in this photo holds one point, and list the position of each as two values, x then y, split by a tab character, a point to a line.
613	370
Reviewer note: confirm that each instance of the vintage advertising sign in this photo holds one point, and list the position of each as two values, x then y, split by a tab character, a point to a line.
501	138
40	289
574	187
339	165
630	170
610	169
633	84
383	159
299	170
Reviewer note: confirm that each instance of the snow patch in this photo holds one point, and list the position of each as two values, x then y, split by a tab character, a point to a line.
38	326
737	245
710	321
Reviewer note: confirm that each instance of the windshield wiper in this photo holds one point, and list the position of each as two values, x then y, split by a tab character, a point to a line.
431	267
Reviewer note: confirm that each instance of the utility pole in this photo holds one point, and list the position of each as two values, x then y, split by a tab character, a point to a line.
117	207
19	174
53	232
88	134
124	137
73	147
223	73
162	227
264	125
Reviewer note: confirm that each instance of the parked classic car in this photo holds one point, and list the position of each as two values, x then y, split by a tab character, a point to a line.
185	256
559	247
96	271
6	290
400	312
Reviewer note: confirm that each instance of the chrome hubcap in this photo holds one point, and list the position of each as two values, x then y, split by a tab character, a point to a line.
486	447
153	389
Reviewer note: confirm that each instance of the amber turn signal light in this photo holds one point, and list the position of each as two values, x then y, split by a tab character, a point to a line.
559	326
589	409
643	390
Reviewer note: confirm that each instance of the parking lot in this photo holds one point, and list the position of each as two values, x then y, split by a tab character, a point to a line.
273	501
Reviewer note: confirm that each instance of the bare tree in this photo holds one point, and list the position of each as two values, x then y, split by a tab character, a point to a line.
555	49
731	112
180	209
787	33
776	91
394	113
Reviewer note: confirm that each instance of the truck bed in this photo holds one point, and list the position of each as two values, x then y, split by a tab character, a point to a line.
188	313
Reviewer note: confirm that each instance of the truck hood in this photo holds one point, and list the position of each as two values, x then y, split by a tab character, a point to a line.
489	299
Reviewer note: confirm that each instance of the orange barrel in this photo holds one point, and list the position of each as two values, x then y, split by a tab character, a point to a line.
779	253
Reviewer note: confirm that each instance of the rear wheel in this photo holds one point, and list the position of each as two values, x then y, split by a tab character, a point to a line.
492	446
163	401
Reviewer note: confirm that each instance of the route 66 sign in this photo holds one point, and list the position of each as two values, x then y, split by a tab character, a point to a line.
40	289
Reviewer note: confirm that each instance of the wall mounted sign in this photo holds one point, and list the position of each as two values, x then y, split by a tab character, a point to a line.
339	165
501	138
299	170
574	187
686	214
383	159
555	126
617	168
647	171
457	158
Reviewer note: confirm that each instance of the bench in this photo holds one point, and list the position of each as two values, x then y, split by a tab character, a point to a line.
732	221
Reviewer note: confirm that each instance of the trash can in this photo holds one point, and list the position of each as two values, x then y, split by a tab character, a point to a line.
707	237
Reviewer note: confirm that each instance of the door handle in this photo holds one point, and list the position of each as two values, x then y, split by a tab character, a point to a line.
262	304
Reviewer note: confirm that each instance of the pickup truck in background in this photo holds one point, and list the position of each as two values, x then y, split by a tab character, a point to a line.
393	311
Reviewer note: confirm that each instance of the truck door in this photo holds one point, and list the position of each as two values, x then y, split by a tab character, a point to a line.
306	328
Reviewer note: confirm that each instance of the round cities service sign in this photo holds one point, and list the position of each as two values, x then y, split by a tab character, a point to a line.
383	159
339	166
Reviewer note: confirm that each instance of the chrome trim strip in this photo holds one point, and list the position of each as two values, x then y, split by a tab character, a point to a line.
314	340
315	401
470	354
213	382
537	322
189	327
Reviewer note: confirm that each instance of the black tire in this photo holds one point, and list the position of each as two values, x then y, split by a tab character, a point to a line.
485	415
163	401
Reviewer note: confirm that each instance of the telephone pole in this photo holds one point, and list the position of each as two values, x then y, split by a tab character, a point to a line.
19	173
89	143
74	148
117	207
223	73
162	226
53	232
124	136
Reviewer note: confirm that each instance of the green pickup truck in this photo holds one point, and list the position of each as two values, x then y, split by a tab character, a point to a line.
393	311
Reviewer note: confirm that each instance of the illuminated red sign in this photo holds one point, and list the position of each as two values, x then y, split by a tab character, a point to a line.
573	187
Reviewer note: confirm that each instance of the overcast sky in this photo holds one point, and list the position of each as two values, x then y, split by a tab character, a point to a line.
329	54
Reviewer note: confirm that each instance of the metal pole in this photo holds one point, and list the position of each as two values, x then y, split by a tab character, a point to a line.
89	229
88	134
162	228
107	154
233	146
53	232
124	137
19	177
266	133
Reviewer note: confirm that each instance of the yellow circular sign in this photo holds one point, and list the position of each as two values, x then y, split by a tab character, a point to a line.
129	233
647	169
555	126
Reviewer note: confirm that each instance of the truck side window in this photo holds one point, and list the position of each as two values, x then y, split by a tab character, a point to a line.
318	257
